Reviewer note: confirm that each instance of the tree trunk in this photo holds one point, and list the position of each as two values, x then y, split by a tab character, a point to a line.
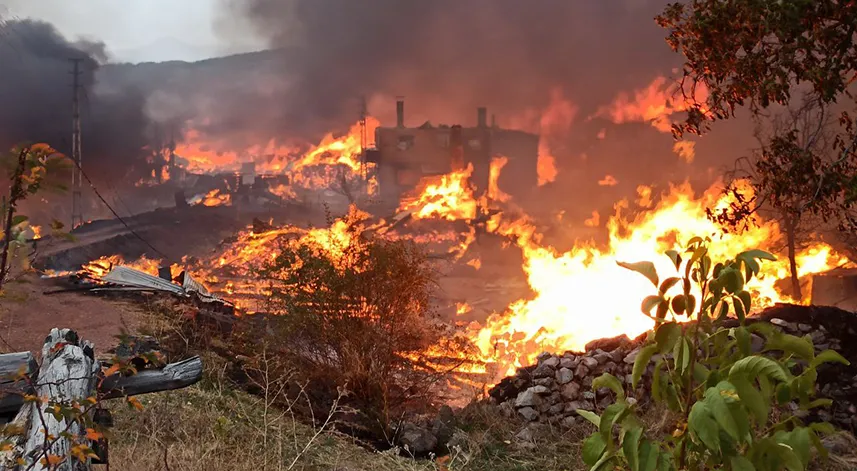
14	195
68	373
790	240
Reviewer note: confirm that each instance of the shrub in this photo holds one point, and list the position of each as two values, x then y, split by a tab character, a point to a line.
707	374
356	311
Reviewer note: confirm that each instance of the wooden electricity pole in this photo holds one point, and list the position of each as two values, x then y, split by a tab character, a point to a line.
76	172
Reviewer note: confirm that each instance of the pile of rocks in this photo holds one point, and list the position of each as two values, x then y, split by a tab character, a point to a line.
559	384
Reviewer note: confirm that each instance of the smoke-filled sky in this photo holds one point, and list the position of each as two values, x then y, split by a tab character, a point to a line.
447	57
140	30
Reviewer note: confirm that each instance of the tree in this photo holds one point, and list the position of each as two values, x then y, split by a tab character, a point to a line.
28	168
758	53
784	175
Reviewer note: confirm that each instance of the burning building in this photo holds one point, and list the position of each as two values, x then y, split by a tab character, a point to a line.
405	156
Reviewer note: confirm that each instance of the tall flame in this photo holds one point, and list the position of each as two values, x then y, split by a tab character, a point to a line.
447	196
581	294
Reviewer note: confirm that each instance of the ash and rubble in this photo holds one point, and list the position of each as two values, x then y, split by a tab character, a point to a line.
550	391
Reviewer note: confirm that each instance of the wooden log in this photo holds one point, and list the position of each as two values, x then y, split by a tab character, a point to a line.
173	376
12	364
68	373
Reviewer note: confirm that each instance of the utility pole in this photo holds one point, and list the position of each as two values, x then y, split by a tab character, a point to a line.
76	172
364	137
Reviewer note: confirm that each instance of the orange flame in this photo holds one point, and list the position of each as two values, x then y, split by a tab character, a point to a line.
654	104
575	297
448	196
494	191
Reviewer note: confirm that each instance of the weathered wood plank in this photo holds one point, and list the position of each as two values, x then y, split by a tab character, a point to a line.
173	376
11	364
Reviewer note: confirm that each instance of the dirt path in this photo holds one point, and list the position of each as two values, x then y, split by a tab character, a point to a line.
27	316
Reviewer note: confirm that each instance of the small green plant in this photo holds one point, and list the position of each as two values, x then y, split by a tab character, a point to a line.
707	374
28	168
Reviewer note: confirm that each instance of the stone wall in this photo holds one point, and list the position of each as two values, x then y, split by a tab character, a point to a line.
559	384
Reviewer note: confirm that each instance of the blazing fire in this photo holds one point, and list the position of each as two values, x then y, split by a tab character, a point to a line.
581	294
216	198
100	267
494	191
448	196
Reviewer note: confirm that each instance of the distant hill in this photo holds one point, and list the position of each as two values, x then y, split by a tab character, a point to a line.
172	48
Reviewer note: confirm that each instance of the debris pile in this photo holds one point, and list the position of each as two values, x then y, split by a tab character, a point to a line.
559	384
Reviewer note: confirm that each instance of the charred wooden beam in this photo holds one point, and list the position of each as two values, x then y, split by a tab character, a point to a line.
173	376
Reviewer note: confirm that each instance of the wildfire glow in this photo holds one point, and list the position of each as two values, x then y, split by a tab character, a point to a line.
581	294
446	196
494	191
685	150
654	104
216	198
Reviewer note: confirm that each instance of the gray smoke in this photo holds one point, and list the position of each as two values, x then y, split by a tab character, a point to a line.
449	56
36	100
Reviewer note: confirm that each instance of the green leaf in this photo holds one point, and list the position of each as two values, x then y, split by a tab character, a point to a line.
606	380
646	269
823	428
700	372
800	443
590	416
788	343
742	337
667	284
631	447
681	355
784	393
828	356
679	304
612	414
649	302
649	453
739	463
716	399
603	463
745	298
751	398
757	254
703	427
821	402
666	336
19	219
641	362
690	304
753	366
675	257
738	306
593	449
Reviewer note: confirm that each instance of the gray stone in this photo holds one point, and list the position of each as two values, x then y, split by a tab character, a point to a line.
540	389
507	409
569	422
602	357
569	363
527	398
631	401
588	395
417	440
555	397
570	391
528	413
544	406
581	371
564	375
543	371
817	336
631	357
757	343
556	408
589	362
617	355
604	402
571	407
804	327
587	382
543	356
552	361
545	382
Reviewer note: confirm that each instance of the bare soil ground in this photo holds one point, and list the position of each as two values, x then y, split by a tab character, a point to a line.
27	315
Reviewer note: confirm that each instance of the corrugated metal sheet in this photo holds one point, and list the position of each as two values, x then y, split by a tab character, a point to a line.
192	286
135	278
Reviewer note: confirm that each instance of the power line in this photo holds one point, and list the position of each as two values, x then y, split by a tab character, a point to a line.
115	214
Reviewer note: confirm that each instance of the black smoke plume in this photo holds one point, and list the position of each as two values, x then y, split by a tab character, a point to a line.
448	57
36	100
